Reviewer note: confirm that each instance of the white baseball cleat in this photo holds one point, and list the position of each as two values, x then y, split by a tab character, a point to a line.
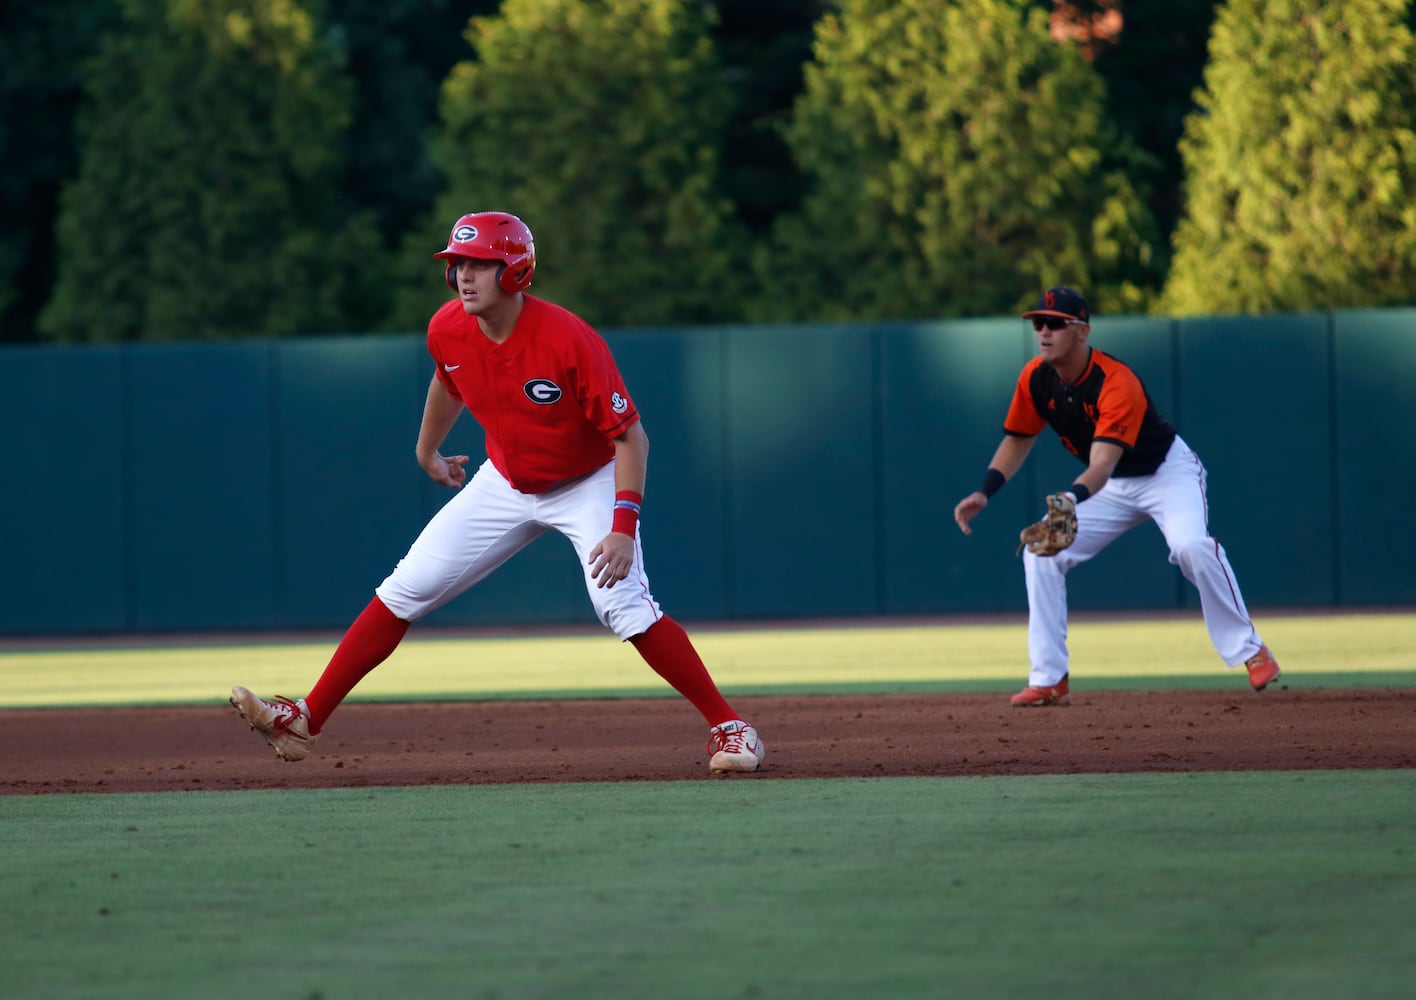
285	724
735	746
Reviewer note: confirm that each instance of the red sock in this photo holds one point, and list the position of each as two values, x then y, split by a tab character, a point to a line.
667	648
374	635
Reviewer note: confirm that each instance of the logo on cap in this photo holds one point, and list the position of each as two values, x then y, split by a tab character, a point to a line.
464	234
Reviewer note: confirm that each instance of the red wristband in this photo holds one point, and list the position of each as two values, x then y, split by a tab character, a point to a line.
626	512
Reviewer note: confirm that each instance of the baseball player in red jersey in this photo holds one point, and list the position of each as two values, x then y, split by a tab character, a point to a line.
1137	467
565	451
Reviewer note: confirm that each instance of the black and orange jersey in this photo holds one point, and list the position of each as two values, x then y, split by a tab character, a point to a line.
1108	403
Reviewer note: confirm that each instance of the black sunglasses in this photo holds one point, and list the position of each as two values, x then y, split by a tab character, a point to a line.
1051	322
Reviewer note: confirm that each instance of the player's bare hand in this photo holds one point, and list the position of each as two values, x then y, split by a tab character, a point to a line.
612	559
447	470
967	508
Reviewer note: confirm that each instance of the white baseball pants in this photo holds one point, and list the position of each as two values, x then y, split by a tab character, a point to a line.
1174	497
488	522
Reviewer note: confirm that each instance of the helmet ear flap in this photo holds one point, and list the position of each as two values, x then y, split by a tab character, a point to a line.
515	275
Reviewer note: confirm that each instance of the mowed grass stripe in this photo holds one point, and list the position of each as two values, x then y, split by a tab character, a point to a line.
1223	885
1325	649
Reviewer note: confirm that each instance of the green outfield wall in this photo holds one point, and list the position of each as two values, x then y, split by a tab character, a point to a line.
795	472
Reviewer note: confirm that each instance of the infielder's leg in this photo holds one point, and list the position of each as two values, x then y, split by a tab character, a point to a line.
480	528
1100	521
1175	497
583	512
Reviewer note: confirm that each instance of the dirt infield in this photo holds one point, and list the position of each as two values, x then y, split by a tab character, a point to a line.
506	742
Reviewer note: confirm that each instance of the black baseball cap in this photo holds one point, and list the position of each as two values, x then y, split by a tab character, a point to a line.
1061	301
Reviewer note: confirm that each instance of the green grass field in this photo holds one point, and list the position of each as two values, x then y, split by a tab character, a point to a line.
1279	884
1337	650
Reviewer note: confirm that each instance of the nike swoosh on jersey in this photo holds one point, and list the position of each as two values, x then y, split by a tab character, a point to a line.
451	368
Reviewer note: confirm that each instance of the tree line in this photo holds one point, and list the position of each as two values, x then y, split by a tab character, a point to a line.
209	169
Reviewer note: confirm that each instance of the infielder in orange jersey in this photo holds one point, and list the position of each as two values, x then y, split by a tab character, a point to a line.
565	451
1137	467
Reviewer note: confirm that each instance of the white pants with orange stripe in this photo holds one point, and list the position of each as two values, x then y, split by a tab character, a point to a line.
488	522
1174	498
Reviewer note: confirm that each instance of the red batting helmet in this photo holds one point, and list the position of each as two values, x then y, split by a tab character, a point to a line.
493	236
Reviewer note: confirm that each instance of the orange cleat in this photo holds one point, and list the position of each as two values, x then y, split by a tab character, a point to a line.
1263	669
1035	697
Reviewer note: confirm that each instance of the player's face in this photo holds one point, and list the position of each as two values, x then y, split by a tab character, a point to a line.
477	284
1061	342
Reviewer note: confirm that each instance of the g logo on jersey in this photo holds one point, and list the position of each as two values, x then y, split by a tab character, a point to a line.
542	391
464	234
618	403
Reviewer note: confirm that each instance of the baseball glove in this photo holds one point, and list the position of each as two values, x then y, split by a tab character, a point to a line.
1054	532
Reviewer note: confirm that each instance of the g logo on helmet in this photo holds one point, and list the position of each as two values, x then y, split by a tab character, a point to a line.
464	234
542	391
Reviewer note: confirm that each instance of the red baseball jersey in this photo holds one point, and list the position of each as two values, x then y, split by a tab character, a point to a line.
549	397
1108	403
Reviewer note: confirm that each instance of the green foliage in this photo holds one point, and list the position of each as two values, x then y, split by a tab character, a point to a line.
1301	160
763	45
1151	73
943	157
41	47
399	52
599	124
958	160
207	203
